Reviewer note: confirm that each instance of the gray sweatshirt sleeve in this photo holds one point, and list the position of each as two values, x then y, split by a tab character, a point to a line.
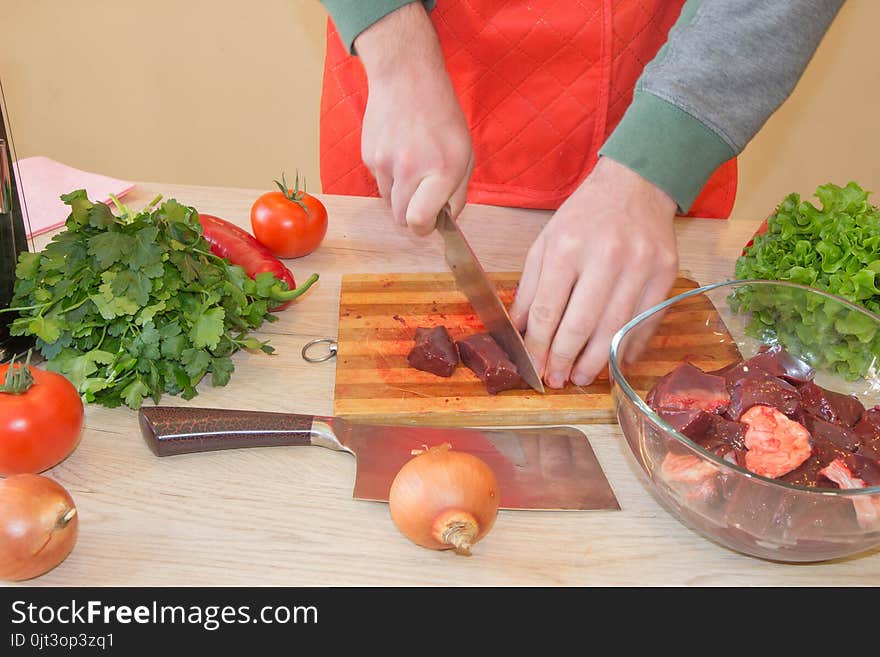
351	17
726	67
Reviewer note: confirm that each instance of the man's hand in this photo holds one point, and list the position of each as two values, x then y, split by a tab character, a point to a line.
607	254
415	137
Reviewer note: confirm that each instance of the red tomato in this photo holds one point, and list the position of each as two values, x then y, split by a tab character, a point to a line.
41	426
290	222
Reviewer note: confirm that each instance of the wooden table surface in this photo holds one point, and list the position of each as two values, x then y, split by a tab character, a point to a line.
285	516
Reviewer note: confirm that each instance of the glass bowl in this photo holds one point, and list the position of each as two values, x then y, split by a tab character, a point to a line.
712	327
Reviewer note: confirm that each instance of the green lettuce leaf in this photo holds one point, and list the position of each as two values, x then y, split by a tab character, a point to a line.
835	248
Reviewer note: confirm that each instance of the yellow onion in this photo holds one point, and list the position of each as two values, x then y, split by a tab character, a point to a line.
443	499
38	526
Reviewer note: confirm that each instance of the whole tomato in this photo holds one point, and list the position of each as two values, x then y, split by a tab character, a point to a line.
41	419
290	222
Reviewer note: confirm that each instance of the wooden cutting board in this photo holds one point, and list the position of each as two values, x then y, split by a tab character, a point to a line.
379	313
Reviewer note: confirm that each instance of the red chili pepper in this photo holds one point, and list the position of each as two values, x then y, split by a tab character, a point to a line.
243	249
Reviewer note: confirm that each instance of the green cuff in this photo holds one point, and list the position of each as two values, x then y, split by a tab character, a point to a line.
667	146
352	17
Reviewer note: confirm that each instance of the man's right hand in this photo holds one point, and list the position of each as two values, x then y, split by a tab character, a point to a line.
415	137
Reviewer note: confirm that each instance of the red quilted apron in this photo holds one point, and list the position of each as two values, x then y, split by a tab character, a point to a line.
542	84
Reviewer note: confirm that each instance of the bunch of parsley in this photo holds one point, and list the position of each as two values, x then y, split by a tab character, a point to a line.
133	306
835	248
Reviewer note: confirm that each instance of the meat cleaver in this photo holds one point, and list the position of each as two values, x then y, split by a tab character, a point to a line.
550	468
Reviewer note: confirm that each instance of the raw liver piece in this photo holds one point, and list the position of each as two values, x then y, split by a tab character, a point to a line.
824	452
689	388
776	420
728	432
807	473
866	469
488	361
694	423
722	371
869	430
870	450
869	425
832	406
779	362
735	372
822	431
757	386
831	442
433	351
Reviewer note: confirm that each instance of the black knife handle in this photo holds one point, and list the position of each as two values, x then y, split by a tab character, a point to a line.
171	430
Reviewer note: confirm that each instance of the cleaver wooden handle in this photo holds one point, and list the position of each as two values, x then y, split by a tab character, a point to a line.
171	430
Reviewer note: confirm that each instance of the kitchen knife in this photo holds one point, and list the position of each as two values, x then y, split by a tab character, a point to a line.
472	280
549	468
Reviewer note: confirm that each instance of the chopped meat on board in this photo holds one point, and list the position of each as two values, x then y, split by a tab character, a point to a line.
776	445
487	360
433	351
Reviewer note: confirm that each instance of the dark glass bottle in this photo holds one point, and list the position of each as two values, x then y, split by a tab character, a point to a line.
13	241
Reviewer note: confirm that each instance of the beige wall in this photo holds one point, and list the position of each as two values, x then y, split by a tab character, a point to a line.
829	128
212	92
226	92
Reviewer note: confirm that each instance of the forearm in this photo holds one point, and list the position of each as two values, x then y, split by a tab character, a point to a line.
402	41
352	17
726	67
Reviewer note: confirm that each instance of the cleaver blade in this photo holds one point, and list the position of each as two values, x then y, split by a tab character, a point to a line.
549	468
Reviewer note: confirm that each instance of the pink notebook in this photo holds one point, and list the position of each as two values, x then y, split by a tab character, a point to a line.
41	183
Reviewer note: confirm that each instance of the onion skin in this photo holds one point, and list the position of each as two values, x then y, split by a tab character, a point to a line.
38	526
443	499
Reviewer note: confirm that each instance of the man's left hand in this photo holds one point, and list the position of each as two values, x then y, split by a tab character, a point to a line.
607	254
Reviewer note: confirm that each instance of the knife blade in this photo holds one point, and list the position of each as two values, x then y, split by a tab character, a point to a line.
476	286
548	468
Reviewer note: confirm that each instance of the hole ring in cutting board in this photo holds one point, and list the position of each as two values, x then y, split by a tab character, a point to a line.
308	347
